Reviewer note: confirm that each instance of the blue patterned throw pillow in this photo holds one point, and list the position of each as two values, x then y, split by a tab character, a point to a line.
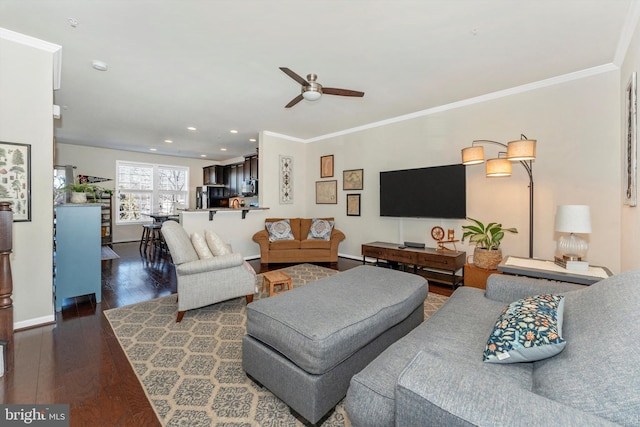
527	330
320	229
279	230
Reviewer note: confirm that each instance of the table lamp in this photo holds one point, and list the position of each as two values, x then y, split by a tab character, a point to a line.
573	219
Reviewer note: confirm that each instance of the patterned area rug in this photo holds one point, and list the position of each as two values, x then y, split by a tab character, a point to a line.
192	371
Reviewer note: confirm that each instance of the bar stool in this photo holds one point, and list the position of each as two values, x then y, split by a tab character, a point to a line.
151	238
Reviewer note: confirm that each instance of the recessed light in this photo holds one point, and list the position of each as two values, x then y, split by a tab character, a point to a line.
233	131
223	149
168	141
99	65
203	155
191	128
153	149
252	140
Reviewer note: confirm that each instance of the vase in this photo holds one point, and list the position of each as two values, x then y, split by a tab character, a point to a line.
77	197
487	258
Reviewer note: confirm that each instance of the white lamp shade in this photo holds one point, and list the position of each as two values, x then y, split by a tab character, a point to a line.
311	94
573	219
498	167
522	149
472	155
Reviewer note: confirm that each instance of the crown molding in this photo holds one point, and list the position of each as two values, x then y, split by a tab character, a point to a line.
283	136
476	100
626	34
54	49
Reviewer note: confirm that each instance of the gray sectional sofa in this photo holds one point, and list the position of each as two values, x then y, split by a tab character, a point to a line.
435	375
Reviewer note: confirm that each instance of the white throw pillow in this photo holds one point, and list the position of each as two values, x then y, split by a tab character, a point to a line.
200	245
215	243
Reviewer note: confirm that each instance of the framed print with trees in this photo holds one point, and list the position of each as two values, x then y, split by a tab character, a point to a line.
15	179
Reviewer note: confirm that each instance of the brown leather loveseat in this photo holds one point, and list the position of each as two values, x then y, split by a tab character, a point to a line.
300	248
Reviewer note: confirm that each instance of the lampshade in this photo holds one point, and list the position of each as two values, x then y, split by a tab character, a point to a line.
472	155
498	167
311	94
522	149
573	219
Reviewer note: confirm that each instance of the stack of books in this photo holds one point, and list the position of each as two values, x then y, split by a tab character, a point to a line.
572	265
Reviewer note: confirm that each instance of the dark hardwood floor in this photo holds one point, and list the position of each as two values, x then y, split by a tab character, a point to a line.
78	360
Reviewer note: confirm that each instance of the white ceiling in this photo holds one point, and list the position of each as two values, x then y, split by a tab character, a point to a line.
213	64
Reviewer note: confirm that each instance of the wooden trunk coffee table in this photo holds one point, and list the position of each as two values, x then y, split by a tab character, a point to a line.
276	278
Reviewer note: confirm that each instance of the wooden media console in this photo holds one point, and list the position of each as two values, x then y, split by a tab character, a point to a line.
435	265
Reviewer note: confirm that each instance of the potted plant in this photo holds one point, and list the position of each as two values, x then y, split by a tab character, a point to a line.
80	190
487	253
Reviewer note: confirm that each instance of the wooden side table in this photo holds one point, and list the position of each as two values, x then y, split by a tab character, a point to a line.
543	269
272	279
476	277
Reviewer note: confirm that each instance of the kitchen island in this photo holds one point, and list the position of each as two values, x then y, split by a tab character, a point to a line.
233	225
212	211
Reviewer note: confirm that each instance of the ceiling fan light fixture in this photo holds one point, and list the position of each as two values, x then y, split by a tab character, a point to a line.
311	94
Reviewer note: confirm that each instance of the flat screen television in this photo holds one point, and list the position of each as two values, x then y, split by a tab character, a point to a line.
432	192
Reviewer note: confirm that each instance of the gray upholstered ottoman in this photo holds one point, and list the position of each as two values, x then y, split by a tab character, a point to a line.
305	344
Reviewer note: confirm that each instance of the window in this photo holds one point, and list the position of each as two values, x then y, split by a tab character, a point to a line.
143	188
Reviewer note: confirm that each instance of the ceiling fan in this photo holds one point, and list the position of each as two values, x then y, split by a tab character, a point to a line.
312	90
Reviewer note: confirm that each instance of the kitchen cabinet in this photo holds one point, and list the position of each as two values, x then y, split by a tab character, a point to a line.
213	174
233	177
250	168
233	180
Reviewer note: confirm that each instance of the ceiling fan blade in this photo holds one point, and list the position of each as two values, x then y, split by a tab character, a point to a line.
294	76
294	101
341	92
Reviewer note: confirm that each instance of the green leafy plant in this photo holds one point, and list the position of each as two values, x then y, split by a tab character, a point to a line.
486	237
85	187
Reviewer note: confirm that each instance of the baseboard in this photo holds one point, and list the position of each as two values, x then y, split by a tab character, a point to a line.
357	258
33	323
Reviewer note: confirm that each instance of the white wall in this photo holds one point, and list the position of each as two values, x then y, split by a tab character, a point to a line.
101	162
26	99
578	152
271	147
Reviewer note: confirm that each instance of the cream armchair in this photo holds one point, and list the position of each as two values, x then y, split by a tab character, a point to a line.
202	282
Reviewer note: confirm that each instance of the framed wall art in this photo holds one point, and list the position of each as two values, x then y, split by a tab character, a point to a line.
631	147
326	192
352	179
15	179
286	180
326	166
353	204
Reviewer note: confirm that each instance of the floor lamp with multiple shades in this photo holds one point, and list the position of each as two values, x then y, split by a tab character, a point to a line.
522	150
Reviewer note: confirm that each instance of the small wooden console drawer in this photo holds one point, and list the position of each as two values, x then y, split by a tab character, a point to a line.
374	252
436	261
402	256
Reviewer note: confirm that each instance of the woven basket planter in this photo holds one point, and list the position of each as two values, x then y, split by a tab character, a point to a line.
487	258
